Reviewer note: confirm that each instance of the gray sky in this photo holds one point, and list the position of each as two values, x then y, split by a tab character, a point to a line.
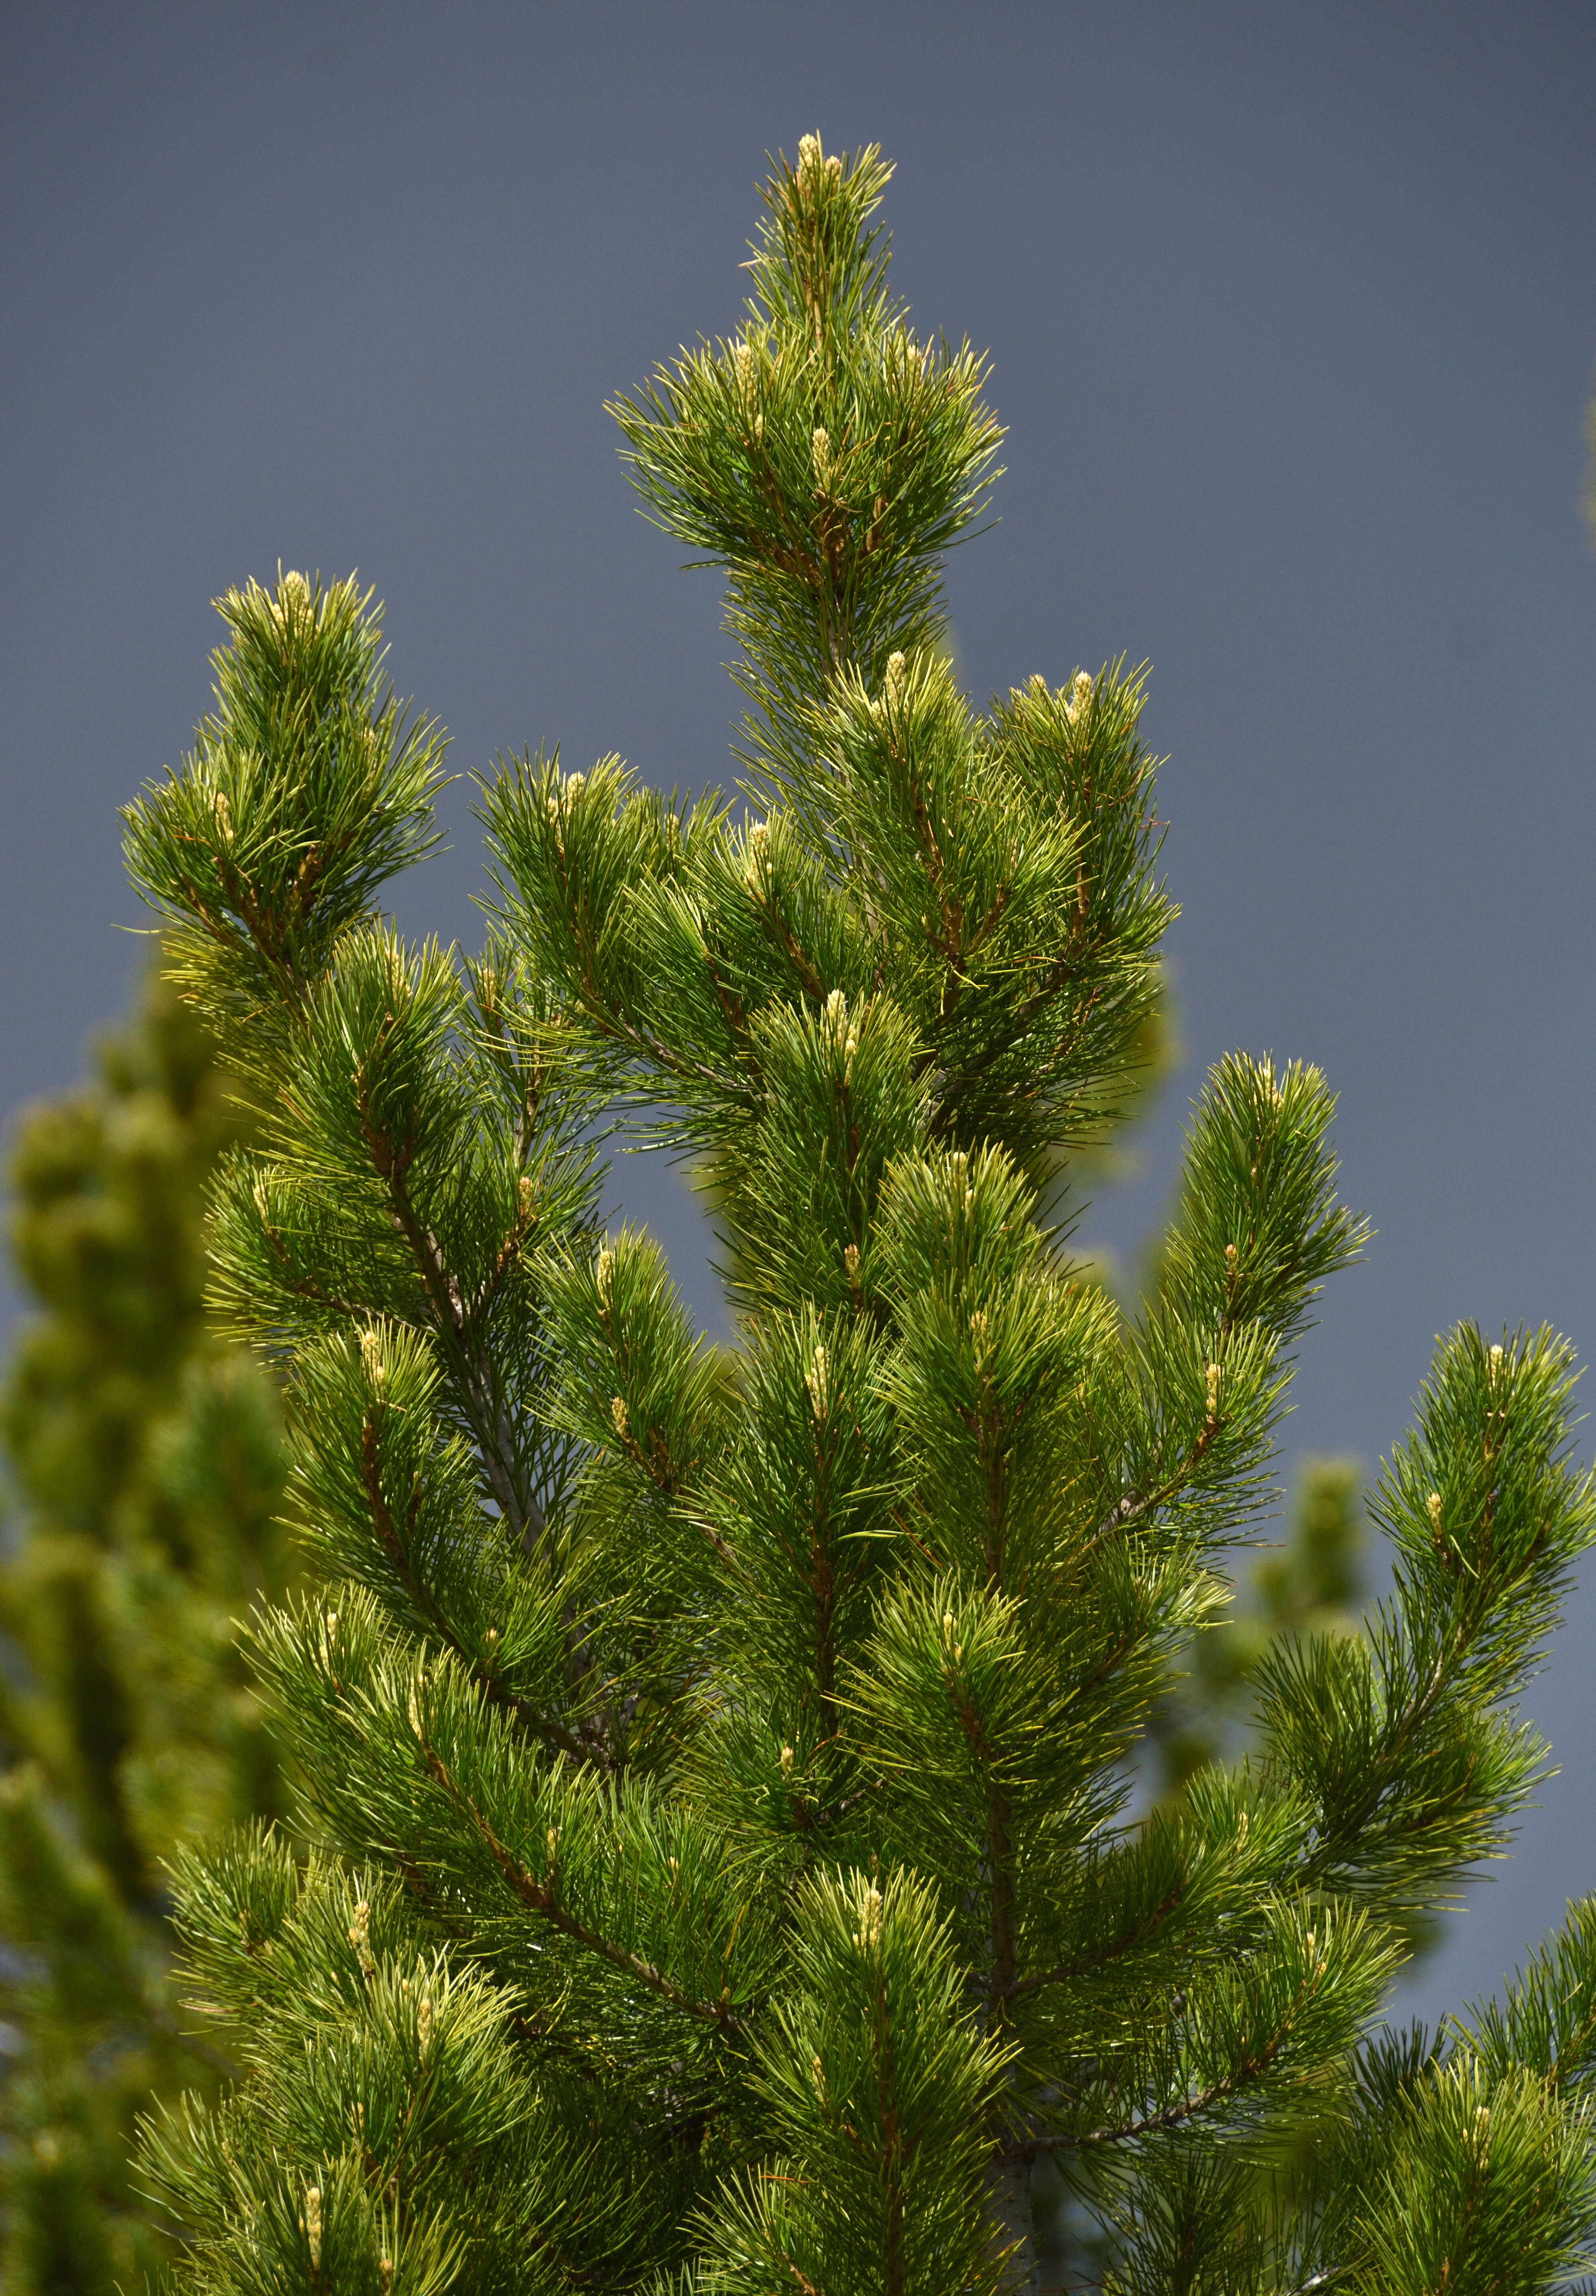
1293	313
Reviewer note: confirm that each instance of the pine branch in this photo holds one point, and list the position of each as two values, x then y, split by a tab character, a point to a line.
542	1726
542	1898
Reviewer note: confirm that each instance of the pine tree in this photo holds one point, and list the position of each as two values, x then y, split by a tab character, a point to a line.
147	1462
717	1760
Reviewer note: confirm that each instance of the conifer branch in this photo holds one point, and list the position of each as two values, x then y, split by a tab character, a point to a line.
301	1285
1250	2068
542	1726
543	1899
489	1418
1144	1928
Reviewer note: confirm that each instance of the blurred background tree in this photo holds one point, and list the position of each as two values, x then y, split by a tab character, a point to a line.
144	1473
1311	1583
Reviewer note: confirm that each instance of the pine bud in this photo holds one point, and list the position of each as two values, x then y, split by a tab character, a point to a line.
370	1354
293	596
815	1380
360	1938
1039	683
1213	1380
384	2274
867	1936
618	1418
560	797
834	172
818	2075
892	688
850	1262
1495	1372
756	863
311	2220
424	2025
747	372
820	454
812	166
602	1272
787	1761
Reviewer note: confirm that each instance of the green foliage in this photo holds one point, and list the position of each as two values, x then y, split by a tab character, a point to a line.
875	2087
147	1462
827	459
309	789
320	1976
729	1749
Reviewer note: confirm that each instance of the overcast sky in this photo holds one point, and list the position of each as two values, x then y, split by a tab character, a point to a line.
1292	316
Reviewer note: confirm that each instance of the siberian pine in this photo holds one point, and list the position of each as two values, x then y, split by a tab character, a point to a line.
715	1761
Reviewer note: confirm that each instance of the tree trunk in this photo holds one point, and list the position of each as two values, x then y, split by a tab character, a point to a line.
1009	2189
